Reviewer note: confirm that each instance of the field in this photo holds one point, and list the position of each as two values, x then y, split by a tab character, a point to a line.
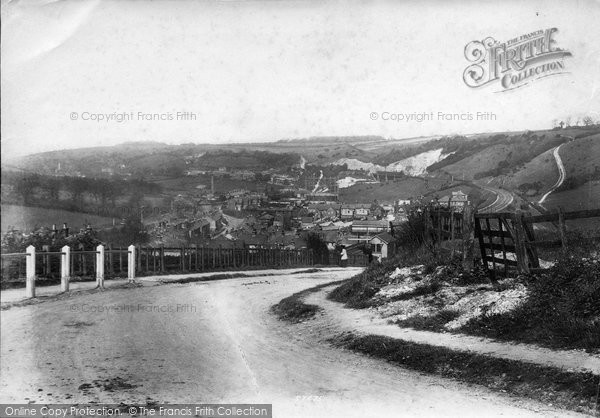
583	197
410	187
27	218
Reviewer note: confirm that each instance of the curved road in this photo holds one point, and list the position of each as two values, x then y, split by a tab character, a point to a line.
216	342
562	174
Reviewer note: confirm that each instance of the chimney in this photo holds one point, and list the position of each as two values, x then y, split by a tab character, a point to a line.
66	229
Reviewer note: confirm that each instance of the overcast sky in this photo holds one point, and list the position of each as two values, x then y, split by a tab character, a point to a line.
268	70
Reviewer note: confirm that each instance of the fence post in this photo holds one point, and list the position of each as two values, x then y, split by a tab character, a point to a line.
562	231
131	263
65	264
111	267
30	272
467	238
100	266
138	258
45	261
519	240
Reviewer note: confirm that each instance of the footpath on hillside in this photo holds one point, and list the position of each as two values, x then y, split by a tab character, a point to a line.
365	322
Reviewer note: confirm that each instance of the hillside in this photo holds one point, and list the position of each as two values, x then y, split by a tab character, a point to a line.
410	187
535	178
521	162
581	157
28	218
586	196
479	162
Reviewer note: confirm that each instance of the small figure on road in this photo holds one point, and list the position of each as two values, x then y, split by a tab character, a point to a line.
344	257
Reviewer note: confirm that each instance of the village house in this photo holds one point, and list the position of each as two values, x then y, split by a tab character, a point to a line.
364	230
457	200
324	211
355	210
347	212
387	208
403	202
307	222
383	245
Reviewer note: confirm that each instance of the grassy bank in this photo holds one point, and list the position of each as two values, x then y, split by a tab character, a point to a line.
560	307
561	311
552	386
359	290
293	309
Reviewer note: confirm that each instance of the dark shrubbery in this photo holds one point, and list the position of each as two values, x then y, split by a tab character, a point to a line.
358	291
318	247
573	390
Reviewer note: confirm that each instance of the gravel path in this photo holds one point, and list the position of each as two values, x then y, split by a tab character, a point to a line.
366	322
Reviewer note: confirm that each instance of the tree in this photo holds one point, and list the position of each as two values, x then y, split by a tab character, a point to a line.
318	247
25	186
52	187
587	120
77	186
132	231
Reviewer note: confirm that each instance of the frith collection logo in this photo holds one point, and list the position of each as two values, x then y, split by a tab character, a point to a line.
514	63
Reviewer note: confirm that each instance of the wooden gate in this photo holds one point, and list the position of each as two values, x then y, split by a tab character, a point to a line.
507	241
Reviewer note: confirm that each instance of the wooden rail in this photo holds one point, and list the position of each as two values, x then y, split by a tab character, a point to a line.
507	240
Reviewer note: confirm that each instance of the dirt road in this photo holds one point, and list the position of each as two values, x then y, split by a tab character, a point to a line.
562	174
216	342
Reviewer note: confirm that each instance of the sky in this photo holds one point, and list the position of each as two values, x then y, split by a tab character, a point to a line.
241	71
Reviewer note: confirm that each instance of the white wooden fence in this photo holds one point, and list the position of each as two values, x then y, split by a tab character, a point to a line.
65	267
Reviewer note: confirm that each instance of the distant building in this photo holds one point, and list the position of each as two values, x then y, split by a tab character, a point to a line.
457	200
403	202
324	211
383	244
364	230
355	210
307	222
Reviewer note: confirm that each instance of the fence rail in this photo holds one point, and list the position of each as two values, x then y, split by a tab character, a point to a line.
133	261
507	240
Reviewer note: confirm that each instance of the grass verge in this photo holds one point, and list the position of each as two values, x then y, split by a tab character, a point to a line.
576	391
293	308
561	311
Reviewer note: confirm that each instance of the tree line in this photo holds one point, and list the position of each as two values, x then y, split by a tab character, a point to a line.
51	191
